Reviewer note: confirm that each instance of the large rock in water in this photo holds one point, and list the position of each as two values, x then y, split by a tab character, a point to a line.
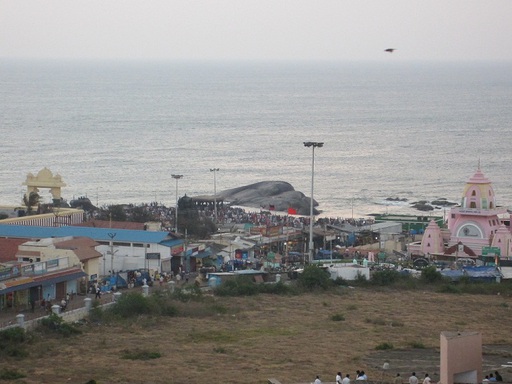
266	194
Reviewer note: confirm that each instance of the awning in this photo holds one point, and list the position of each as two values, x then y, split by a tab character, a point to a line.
43	281
202	254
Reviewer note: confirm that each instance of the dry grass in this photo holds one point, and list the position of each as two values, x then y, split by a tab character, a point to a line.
290	338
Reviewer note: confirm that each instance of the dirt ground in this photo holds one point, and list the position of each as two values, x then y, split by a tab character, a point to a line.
248	340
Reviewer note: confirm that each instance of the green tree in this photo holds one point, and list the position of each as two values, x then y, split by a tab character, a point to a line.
116	213
141	215
431	275
30	201
314	277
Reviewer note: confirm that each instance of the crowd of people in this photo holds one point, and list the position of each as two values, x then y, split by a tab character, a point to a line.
413	379
227	214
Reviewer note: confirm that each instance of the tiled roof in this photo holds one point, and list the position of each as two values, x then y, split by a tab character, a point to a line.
9	248
83	247
112	224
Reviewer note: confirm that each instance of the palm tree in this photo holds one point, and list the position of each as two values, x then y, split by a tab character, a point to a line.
30	201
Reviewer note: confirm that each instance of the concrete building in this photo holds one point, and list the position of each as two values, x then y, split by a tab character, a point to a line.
474	227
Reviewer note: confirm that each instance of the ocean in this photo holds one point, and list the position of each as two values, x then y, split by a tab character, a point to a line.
116	131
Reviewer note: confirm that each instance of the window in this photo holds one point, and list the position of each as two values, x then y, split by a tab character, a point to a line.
473	193
119	244
472	205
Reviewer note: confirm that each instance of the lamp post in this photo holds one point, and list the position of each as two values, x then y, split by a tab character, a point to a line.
112	236
313	145
214	170
176	177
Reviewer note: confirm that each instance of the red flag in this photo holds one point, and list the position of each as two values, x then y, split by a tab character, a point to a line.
292	211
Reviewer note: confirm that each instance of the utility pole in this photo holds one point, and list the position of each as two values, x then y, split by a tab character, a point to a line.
176	177
214	170
112	236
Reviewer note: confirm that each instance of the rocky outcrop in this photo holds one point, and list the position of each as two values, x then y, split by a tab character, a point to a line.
278	195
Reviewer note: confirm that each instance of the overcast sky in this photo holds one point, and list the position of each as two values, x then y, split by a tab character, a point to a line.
257	29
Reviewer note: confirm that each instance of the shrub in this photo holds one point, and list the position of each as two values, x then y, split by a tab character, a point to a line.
417	345
431	275
384	346
239	286
385	277
191	292
130	305
140	354
448	288
10	374
279	288
337	317
12	335
56	324
314	277
219	350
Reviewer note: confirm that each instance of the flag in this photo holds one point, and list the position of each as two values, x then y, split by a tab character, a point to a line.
271	208
292	211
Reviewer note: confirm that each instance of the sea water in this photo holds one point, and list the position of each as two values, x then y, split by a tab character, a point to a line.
117	131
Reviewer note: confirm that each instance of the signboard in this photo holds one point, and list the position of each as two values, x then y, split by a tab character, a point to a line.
175	251
52	264
491	251
153	256
165	266
8	273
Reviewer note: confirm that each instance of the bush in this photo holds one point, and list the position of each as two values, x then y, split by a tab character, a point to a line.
384	346
431	275
279	288
140	354
337	317
191	292
12	342
131	305
385	277
12	335
417	345
56	324
313	278
239	286
10	374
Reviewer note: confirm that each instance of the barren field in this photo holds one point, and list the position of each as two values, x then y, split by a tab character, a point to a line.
291	338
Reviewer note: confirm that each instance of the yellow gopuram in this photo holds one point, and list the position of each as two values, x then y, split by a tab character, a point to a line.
44	179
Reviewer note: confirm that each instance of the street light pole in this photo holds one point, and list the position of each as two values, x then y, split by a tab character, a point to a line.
112	236
214	170
313	145
176	177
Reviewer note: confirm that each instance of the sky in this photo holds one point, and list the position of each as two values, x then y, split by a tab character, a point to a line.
266	30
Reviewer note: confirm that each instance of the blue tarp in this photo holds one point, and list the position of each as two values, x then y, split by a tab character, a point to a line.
487	273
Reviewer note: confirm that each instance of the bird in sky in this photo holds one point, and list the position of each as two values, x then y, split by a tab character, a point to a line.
390	50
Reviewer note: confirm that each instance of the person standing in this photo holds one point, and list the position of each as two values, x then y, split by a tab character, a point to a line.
338	378
426	380
498	376
398	379
413	379
317	380
346	380
98	292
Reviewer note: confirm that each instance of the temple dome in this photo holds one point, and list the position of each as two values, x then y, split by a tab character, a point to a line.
478	193
432	240
503	240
